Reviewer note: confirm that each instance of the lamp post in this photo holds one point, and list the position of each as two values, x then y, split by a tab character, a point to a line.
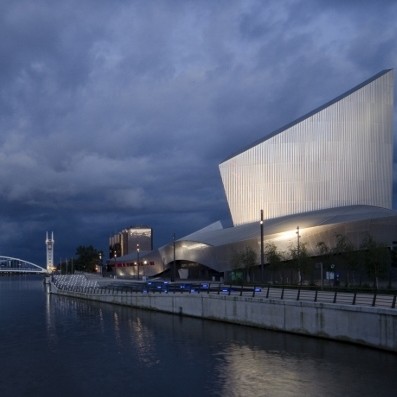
262	254
100	263
298	253
137	255
143	272
173	262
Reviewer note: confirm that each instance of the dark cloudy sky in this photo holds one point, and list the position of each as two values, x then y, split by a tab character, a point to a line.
117	113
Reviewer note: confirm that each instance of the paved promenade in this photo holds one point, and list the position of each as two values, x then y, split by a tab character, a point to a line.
336	296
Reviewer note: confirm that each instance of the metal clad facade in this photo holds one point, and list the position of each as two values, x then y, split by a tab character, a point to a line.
340	156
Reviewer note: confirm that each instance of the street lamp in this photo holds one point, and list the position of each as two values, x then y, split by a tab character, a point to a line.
173	262
144	266
298	254
137	256
262	254
100	262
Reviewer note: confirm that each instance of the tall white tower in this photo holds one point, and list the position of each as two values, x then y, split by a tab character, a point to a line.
49	242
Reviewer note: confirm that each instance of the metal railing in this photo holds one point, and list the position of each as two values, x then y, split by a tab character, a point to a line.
355	298
358	298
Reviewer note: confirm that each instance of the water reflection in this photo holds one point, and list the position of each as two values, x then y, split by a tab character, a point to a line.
238	361
102	349
242	371
143	342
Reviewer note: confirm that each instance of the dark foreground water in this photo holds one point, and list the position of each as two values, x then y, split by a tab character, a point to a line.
56	346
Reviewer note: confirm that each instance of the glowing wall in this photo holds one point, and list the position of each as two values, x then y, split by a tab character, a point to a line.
338	155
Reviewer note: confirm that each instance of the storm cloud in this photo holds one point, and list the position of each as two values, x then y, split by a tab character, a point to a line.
117	113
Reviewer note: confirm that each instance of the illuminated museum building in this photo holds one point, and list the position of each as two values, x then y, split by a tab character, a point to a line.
329	172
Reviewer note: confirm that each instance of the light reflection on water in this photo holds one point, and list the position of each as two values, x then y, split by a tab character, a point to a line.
247	371
90	348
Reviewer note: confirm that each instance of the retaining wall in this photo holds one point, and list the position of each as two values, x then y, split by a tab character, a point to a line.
370	326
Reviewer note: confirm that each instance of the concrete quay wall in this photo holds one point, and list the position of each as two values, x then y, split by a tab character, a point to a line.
369	326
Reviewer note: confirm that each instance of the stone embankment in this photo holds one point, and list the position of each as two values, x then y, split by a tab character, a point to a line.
364	324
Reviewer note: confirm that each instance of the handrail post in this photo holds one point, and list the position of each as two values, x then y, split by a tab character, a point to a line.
315	295
253	292
268	290
298	294
374	300
354	298
335	296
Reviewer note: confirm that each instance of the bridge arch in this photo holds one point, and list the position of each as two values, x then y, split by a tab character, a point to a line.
9	264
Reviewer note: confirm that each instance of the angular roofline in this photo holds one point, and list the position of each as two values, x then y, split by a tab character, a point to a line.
307	115
323	217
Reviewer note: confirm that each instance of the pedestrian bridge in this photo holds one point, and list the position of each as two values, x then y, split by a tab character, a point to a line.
16	265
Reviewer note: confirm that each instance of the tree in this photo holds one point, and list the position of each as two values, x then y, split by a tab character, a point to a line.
244	260
323	248
343	244
324	251
301	259
273	257
249	259
345	248
87	257
376	258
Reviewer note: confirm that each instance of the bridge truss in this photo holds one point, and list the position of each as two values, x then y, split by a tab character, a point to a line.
16	265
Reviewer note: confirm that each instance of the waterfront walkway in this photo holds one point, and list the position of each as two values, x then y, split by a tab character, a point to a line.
95	284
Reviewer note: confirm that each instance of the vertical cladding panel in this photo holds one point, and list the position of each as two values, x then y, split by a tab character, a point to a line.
341	155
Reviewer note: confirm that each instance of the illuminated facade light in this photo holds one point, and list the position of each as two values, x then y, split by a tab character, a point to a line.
340	154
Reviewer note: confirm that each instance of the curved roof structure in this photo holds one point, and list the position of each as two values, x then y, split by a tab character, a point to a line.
327	217
215	248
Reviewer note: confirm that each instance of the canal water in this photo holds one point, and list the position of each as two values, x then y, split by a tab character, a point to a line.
58	346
